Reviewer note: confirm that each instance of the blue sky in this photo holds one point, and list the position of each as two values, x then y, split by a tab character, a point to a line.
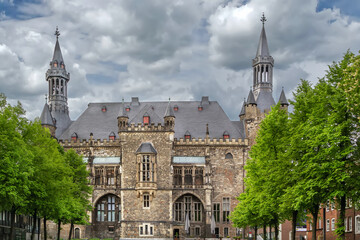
156	49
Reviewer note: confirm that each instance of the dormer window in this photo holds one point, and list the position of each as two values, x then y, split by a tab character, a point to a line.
176	108
200	108
103	109
146	118
187	135
127	108
226	135
55	64
74	136
112	136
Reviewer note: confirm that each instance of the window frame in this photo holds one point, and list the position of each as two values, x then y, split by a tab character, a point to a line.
146	229
327	225
216	212
226	209
333	224
146	201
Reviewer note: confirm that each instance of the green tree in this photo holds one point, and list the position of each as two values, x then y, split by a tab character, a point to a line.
16	167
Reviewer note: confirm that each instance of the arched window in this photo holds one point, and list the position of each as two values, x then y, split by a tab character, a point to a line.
228	156
55	63
108	209
188	206
77	233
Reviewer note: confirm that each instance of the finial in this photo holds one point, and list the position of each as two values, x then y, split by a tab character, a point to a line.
57	33
263	18
46	98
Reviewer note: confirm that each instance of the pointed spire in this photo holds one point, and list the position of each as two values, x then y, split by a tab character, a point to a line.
251	98
169	111
282	99
57	51
242	112
46	118
122	112
263	49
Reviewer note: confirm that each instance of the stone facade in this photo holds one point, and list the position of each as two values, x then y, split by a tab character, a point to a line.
165	177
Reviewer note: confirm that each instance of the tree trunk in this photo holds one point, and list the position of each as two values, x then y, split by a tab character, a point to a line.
265	232
39	224
314	214
276	229
59	228
34	225
270	231
12	223
255	233
45	233
293	224
341	220
71	228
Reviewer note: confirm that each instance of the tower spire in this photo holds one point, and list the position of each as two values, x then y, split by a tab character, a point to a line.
58	78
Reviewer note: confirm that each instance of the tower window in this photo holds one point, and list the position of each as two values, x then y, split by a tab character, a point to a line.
103	109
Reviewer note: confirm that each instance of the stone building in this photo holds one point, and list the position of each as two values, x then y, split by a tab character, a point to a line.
156	166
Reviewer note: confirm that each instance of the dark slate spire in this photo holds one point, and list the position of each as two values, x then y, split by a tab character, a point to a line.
282	99
263	49
242	112
251	98
46	118
122	112
169	111
57	51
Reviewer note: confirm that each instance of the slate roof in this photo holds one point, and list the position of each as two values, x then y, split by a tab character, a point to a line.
46	117
263	49
101	124
251	98
57	53
282	99
146	148
265	100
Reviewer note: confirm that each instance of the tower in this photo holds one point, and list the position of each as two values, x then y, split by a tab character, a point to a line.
263	73
58	78
169	117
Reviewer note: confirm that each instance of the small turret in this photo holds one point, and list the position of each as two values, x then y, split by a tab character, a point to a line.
122	117
284	104
169	117
47	120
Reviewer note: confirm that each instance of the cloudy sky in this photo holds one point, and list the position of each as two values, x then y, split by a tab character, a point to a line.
156	49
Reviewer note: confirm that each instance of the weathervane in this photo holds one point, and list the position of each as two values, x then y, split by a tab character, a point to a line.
57	33
263	19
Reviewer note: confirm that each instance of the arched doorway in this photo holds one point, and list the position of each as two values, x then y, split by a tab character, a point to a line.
77	233
189	216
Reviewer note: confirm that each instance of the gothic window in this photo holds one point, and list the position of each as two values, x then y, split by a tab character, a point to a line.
57	86
111	209
146	230
226	209
98	176
327	225
216	212
110	176
228	156
100	212
188	176
108	209
199	176
147	169
197	211
177	176
332	224
146	199
178	211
